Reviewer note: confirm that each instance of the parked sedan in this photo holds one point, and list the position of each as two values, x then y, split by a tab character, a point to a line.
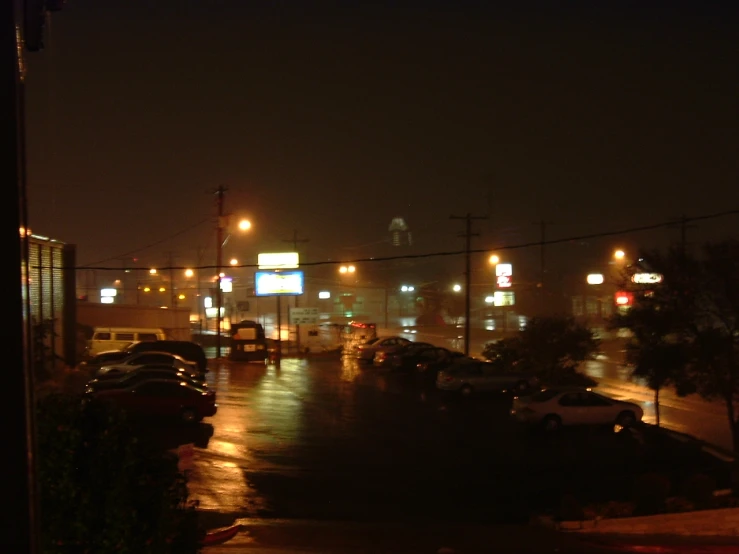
555	407
103	358
162	398
134	361
366	352
468	375
139	375
389	358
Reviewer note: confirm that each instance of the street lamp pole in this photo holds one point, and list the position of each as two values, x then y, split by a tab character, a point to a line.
219	262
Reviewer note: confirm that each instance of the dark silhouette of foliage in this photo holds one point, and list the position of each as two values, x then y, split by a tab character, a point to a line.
550	347
100	491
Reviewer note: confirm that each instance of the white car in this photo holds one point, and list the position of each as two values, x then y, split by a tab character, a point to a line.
554	407
147	358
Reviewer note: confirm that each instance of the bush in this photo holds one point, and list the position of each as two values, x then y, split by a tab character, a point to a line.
570	509
649	493
699	489
100	491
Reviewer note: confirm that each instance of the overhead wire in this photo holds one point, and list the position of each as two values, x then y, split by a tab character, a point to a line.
548	242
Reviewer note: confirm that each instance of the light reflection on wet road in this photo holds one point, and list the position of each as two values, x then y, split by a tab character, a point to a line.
316	436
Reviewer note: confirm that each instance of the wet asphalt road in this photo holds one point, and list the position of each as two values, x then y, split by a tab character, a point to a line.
326	439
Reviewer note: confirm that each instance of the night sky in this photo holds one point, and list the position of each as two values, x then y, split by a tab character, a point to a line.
331	118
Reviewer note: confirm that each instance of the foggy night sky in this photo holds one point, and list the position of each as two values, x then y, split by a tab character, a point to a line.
333	118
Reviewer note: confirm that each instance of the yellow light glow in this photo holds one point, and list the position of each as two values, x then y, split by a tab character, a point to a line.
181	297
153	271
619	254
244	225
494	259
189	273
234	261
147	289
162	289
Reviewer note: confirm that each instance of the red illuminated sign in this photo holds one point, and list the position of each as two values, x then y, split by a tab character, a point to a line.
624	299
504	281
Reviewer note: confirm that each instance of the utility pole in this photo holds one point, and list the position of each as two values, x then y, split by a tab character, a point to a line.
173	300
542	244
468	234
220	192
684	223
294	241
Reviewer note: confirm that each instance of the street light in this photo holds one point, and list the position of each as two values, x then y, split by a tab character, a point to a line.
189	273
494	259
153	271
347	269
619	254
234	261
244	225
457	288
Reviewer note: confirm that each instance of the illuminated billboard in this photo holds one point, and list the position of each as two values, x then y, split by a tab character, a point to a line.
647	278
278	260
278	283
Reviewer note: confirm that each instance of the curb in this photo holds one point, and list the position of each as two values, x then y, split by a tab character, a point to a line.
666	549
221	535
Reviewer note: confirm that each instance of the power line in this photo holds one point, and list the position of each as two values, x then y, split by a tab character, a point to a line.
151	245
518	246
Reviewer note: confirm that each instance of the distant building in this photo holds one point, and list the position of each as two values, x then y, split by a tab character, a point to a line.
400	235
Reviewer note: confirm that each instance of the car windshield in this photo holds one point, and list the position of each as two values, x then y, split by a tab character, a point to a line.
302	201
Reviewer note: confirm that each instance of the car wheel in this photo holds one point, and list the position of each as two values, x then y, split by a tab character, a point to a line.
189	415
551	423
467	390
626	419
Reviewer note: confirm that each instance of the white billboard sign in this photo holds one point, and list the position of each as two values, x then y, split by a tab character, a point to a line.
647	278
504	298
278	260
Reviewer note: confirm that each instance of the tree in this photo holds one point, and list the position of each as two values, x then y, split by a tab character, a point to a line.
655	352
686	328
550	347
714	366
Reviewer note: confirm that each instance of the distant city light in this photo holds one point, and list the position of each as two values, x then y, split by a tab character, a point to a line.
595	279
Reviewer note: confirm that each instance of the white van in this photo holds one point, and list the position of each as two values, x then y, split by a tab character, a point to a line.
117	338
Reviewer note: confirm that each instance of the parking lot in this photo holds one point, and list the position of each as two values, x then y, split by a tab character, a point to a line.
325	438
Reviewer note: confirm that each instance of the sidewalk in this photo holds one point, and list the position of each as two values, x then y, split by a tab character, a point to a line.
326	537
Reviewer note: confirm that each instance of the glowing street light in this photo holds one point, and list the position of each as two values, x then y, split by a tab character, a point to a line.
494	259
189	273
153	271
457	288
619	254
347	269
234	261
244	225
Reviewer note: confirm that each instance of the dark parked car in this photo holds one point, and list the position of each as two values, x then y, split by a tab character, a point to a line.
188	350
386	358
143	373
162	398
424	360
104	358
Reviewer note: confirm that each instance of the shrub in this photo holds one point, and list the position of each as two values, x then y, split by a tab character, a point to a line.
699	489
570	508
100	491
649	493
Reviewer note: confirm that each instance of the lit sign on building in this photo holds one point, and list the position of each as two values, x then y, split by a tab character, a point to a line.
595	279
278	260
624	299
324	294
503	269
504	273
227	284
504	281
647	278
278	283
107	296
504	298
